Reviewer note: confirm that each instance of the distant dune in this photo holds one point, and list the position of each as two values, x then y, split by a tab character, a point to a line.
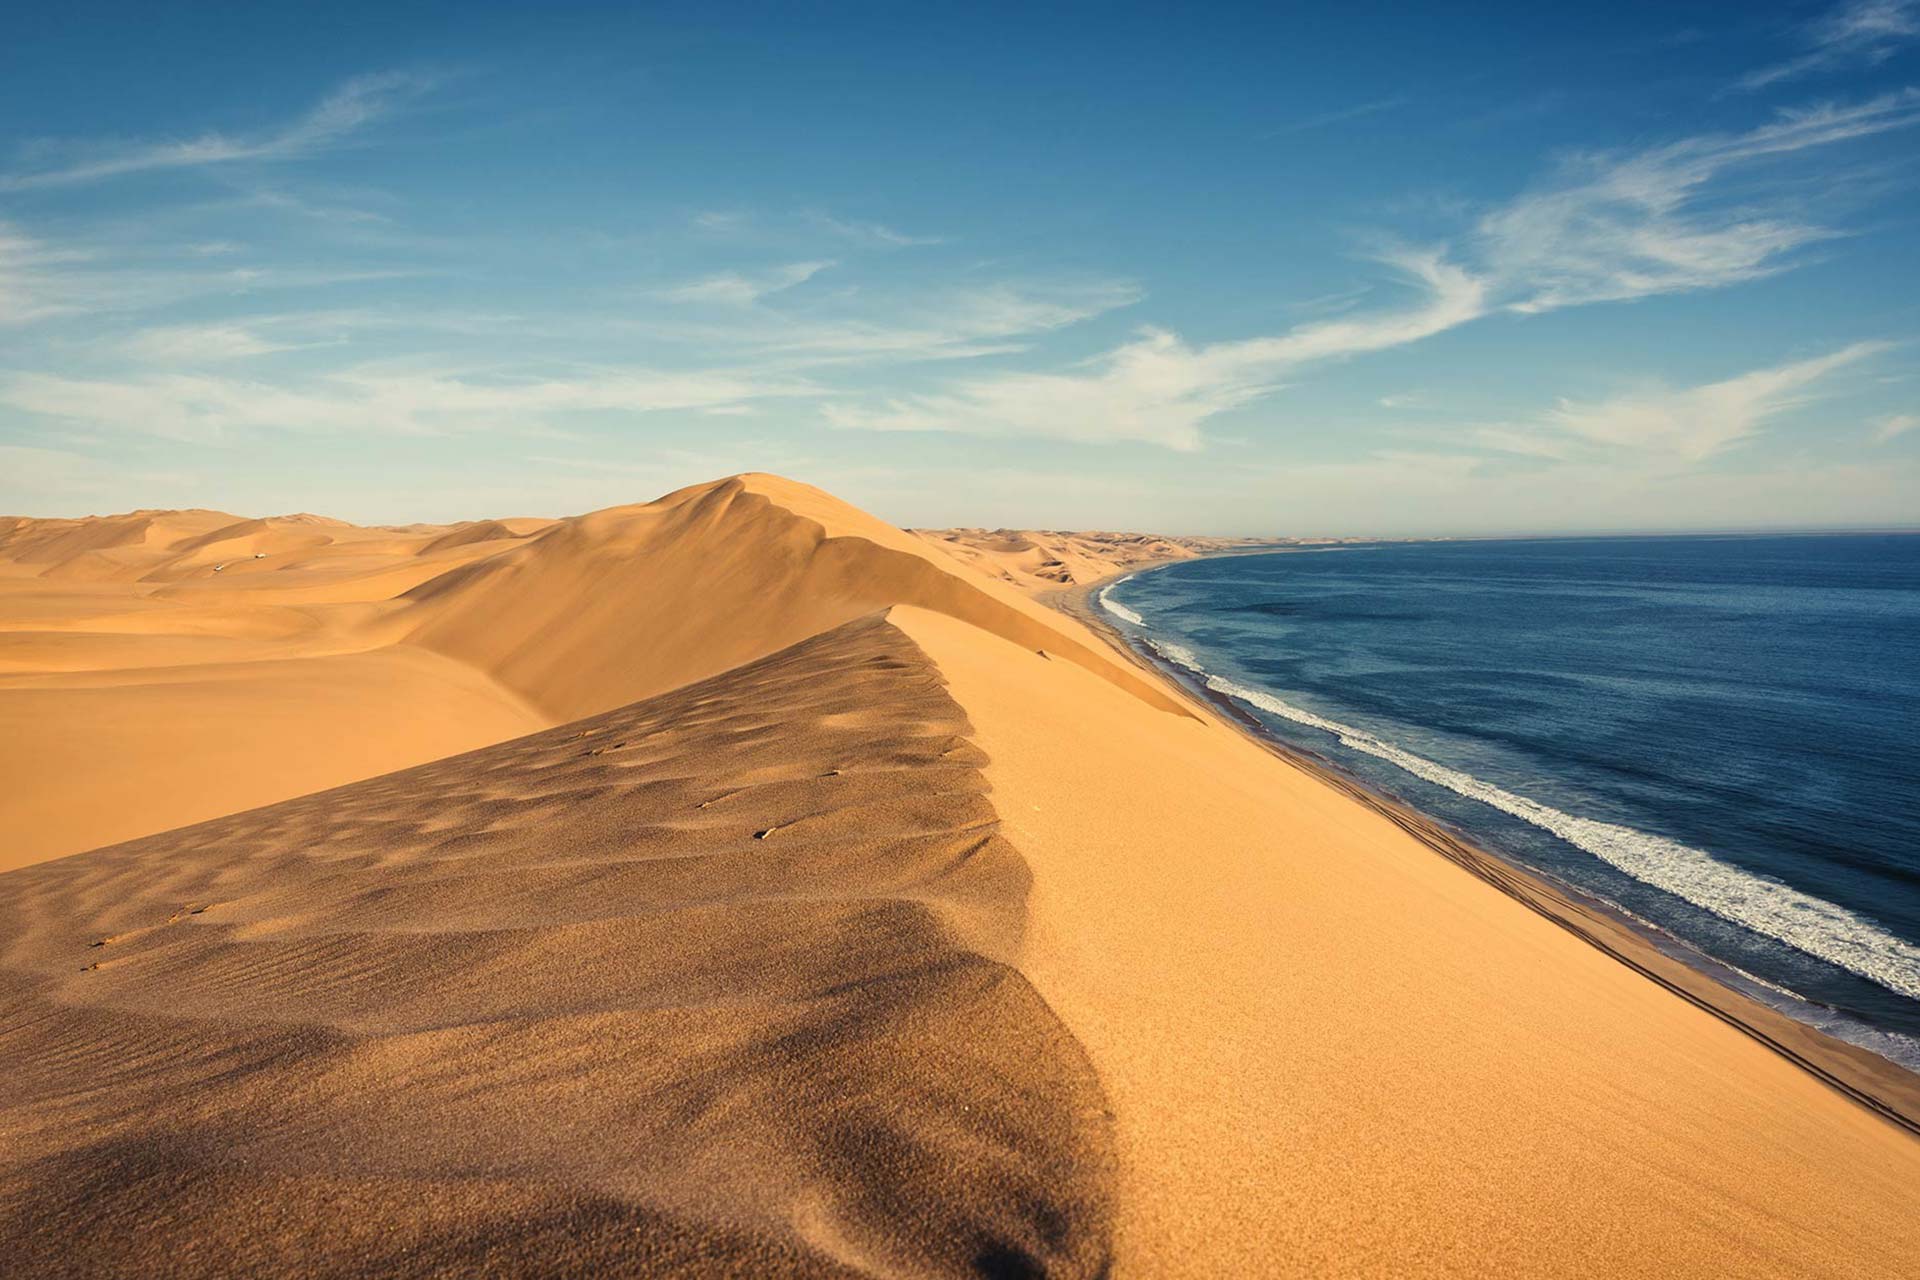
1038	560
811	901
163	667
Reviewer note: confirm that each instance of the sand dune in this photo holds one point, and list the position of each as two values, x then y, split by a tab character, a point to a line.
717	982
1044	560
1330	1051
196	663
863	917
631	601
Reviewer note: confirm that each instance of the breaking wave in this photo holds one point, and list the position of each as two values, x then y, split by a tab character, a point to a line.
1117	609
1808	924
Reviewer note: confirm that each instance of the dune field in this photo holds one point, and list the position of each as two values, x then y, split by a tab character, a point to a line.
808	899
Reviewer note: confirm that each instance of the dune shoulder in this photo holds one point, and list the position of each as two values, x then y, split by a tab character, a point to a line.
179	665
720	982
845	911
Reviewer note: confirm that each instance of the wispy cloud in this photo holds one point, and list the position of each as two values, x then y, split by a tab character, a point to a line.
968	323
1617	226
862	326
1157	389
1686	425
198	344
739	289
345	111
205	407
1340	116
43	279
742	224
1607	227
30	277
871	233
1856	33
1893	426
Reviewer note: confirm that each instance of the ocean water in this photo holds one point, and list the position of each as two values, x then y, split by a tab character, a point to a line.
1718	736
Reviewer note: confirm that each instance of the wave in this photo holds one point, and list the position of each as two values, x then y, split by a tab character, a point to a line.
1117	609
1808	924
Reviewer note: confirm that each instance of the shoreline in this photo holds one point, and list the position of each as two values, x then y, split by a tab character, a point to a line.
1878	1084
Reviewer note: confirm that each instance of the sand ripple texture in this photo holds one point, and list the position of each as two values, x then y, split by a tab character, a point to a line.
716	983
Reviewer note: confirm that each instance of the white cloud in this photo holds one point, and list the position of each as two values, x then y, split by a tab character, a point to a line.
1684	426
1609	227
720	221
1618	226
736	289
1157	389
193	344
30	283
1858	32
1894	425
873	234
42	279
1340	116
849	327
991	320
348	109
201	407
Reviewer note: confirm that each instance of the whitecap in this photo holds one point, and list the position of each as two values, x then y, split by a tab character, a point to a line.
1811	925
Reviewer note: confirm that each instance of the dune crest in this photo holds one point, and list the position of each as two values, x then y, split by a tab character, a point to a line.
1040	561
623	603
718	983
187	664
865	917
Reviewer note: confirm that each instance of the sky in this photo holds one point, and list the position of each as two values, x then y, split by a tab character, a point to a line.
1310	269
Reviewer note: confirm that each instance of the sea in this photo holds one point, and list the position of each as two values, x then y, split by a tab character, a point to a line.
1717	737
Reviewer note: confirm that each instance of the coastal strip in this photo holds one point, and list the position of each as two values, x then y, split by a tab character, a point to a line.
1876	1083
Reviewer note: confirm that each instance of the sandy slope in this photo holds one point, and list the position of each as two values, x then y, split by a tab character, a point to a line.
1045	560
181	665
1330	1051
163	667
920	935
717	983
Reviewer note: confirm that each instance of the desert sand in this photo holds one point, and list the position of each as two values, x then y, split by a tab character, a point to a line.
1042	562
160	668
848	913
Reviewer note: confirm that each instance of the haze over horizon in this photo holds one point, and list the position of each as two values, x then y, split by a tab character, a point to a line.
1290	274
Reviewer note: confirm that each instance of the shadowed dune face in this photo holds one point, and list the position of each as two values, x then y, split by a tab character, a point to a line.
631	601
716	983
180	665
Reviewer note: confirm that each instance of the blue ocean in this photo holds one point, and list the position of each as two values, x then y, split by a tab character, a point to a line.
1719	736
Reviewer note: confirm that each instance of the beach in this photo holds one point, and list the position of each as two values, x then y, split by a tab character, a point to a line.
810	898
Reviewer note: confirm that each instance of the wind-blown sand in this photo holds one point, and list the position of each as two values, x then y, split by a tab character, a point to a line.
862	917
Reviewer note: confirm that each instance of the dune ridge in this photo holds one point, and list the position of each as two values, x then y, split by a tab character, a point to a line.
1043	561
717	983
599	610
895	925
198	662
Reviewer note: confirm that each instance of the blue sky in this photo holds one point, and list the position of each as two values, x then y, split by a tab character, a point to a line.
1344	269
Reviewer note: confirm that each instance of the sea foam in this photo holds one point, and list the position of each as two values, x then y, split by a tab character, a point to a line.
1117	609
1812	925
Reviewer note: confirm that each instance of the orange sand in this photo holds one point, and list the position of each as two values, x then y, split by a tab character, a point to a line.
862	917
1042	561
